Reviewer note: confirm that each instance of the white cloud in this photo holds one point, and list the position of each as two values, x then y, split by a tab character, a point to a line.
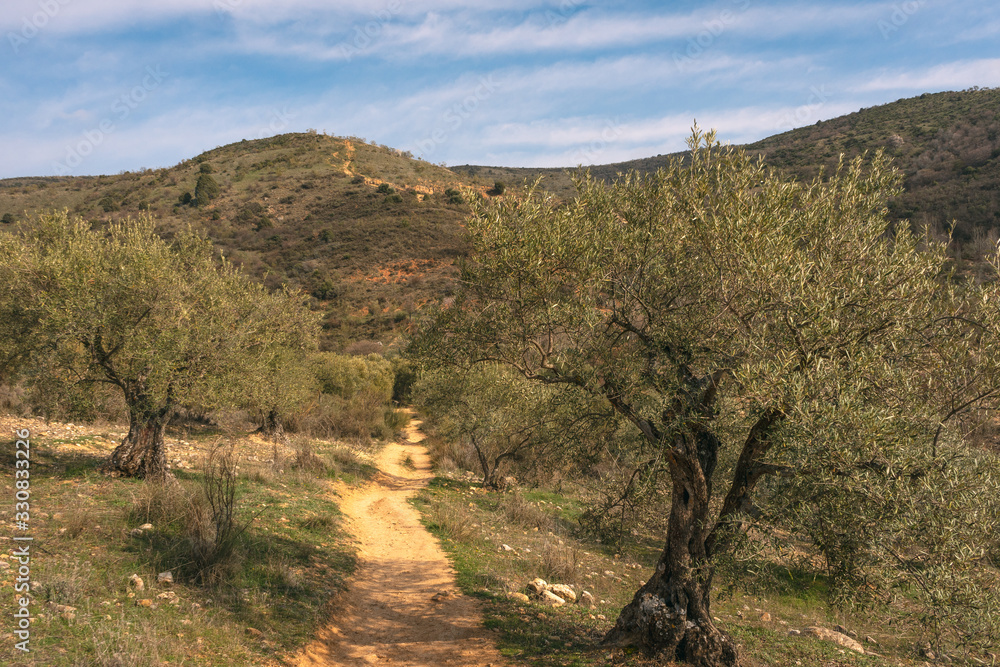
949	76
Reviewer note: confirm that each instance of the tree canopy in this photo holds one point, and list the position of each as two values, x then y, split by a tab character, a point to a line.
797	362
166	324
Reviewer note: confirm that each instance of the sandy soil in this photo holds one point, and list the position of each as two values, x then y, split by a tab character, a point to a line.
401	606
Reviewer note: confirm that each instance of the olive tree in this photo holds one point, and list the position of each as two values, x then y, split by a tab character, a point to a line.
510	424
165	324
761	334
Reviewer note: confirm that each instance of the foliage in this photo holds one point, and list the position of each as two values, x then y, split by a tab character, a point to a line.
205	190
511	425
350	397
346	376
945	144
217	524
161	323
755	332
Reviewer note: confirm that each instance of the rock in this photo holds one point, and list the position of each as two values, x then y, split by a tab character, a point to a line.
136	532
765	617
520	597
64	610
537	586
563	591
135	581
144	603
254	632
165	578
146	526
506	547
170	597
587	600
871	640
844	631
441	596
601	617
552	599
794	633
4	565
833	636
928	653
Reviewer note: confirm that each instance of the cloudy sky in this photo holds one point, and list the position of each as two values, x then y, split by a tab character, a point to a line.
102	86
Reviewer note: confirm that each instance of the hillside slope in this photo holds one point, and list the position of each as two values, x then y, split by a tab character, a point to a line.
370	233
373	234
946	144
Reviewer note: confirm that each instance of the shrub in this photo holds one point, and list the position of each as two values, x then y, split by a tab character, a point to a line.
215	524
205	190
385	189
109	204
347	377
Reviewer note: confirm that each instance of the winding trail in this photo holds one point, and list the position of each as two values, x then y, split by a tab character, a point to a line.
402	606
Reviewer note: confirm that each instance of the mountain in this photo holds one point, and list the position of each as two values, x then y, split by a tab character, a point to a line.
373	234
369	232
947	145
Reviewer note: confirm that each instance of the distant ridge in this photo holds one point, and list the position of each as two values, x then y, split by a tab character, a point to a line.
946	144
373	235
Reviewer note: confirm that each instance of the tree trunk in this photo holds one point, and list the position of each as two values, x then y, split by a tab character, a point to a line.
142	453
670	616
272	428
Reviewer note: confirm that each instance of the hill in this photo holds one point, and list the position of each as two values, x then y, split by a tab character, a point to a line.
369	232
947	146
373	234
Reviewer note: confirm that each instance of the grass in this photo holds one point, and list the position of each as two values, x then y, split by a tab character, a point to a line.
266	600
500	542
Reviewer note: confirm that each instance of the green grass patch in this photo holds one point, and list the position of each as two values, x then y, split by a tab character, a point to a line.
266	600
496	546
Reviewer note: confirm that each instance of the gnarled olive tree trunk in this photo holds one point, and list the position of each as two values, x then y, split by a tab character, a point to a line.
670	615
143	452
271	427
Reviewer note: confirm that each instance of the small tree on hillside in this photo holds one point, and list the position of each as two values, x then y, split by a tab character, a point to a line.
162	323
205	190
777	344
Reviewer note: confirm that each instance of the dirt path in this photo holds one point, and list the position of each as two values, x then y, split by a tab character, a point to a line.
401	606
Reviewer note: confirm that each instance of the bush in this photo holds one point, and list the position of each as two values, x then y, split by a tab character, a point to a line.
385	189
109	204
215	524
205	190
7	219
346	376
404	377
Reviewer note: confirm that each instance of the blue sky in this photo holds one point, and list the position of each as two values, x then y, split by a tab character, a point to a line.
102	86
